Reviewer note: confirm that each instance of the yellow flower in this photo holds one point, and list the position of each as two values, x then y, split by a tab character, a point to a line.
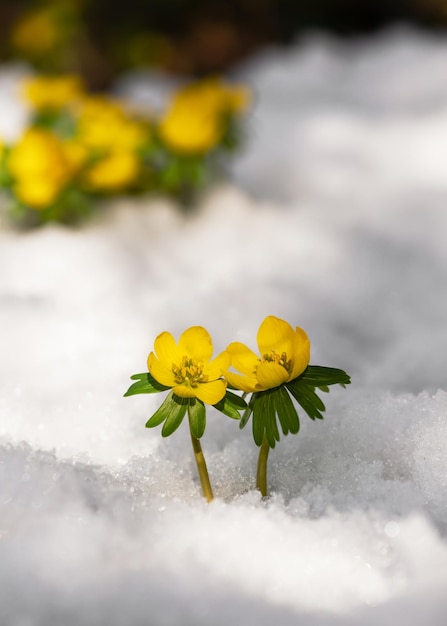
41	167
36	32
113	172
196	120
187	367
37	192
190	131
104	124
238	99
53	92
220	96
48	32
285	354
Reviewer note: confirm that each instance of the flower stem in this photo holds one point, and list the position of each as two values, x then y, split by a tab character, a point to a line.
202	469
261	476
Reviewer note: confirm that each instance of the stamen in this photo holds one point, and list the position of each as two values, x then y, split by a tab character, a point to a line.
189	372
274	357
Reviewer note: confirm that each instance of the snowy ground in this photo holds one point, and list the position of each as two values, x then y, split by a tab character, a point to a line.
336	221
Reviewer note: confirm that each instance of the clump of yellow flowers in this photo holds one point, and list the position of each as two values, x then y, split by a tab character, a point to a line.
277	379
80	147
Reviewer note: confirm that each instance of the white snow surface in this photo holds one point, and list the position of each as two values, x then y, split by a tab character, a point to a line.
335	220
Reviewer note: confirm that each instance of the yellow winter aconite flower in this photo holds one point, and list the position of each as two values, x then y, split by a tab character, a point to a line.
187	367
40	166
285	354
48	31
53	92
37	192
195	121
220	96
190	131
36	32
104	124
113	172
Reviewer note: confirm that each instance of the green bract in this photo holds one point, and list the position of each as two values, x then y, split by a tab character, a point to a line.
145	384
267	406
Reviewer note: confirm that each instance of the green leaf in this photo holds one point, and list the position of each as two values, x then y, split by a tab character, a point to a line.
247	413
267	406
264	416
305	395
303	387
197	417
172	412
321	377
231	405
271	430
287	413
145	384
260	419
175	416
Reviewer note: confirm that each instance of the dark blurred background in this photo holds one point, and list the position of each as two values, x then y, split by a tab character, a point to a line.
100	39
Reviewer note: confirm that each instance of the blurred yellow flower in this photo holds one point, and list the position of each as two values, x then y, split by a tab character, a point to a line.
190	131
113	172
37	192
48	32
195	122
36	32
218	96
104	124
53	92
41	167
187	367
75	153
238	99
285	354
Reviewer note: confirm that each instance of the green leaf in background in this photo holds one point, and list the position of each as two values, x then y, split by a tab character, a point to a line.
61	122
145	384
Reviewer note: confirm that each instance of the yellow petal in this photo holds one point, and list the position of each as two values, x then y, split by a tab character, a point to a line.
244	383
212	392
196	343
242	358
275	334
270	375
166	349
184	391
159	371
215	368
301	353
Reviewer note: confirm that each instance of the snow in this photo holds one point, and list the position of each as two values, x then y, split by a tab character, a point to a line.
334	220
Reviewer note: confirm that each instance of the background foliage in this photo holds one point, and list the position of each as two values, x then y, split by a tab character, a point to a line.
98	38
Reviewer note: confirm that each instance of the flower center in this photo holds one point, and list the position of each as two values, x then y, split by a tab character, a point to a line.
189	372
274	357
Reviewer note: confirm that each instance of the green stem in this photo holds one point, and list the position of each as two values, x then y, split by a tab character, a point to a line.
261	476
202	469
